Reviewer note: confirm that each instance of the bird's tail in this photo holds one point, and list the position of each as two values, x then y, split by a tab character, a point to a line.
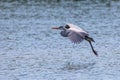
89	39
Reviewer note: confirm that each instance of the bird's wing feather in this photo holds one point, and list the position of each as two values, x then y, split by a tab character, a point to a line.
64	33
76	28
75	37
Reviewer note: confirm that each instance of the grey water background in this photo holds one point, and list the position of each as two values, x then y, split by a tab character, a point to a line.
30	50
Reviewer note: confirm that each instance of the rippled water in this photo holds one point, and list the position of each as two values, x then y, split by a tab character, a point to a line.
30	50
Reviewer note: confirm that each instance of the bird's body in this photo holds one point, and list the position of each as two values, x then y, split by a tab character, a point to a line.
76	34
76	28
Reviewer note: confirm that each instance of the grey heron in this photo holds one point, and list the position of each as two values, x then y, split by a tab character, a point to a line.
75	34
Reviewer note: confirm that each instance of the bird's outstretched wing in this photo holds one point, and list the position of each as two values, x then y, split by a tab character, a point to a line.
75	37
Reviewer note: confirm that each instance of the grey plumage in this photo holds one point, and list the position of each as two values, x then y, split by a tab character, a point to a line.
64	33
76	34
75	37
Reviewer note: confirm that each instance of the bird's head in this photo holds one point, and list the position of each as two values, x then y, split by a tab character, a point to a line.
62	27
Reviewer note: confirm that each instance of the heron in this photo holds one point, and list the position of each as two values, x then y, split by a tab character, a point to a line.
75	34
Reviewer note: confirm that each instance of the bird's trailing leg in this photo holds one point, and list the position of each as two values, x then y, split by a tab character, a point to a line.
91	40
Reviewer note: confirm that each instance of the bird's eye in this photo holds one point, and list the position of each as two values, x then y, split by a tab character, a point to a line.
67	27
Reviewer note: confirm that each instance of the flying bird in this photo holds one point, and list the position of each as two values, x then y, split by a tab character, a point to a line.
75	34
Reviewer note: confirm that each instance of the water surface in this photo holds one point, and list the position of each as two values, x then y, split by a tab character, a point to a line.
30	50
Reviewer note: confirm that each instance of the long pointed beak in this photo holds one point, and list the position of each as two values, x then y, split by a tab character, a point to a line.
57	28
